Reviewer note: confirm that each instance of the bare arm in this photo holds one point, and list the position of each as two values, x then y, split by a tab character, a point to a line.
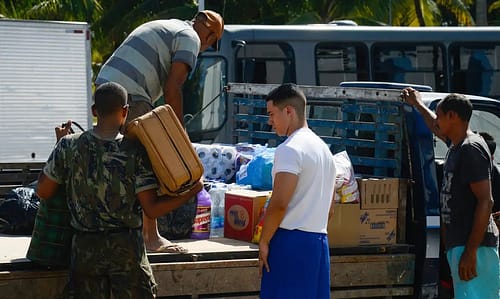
412	97
172	91
330	212
283	189
482	192
155	206
47	188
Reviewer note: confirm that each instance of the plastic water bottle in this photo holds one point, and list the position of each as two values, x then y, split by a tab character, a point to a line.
217	193
201	225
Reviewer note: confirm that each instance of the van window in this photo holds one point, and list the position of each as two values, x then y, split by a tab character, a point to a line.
410	63
474	67
265	63
338	62
205	104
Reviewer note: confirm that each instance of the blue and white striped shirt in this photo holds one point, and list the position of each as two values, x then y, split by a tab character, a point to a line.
142	62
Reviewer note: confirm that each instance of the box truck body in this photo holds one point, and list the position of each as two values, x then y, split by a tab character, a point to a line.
45	79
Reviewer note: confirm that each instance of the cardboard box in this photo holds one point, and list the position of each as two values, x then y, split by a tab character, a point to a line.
343	228
352	226
241	215
378	226
379	193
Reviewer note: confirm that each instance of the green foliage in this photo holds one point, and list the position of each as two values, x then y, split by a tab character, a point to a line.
494	14
494	6
112	20
459	10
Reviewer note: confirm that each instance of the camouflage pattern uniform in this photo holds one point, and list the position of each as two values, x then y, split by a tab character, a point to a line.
102	178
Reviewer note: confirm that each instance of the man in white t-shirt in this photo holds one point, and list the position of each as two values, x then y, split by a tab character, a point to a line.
294	260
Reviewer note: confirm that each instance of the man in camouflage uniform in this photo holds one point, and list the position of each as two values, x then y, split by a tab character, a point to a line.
108	178
154	61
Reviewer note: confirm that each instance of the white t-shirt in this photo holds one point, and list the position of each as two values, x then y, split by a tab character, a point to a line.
305	154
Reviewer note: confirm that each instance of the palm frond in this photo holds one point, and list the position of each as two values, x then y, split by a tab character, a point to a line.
460	9
494	6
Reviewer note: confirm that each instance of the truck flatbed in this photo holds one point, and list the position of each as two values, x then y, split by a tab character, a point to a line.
220	267
226	268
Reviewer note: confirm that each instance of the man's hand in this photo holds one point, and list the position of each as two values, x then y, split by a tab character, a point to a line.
263	255
467	265
411	96
198	186
63	130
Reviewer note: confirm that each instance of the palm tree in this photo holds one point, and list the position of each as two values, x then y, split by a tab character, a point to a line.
111	20
389	12
459	9
122	17
64	10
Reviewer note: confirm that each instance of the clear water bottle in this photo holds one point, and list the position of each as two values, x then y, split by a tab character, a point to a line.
217	194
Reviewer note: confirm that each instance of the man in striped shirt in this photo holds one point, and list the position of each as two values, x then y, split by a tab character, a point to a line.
153	61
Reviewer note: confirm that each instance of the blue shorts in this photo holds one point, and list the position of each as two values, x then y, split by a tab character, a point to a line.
486	284
299	264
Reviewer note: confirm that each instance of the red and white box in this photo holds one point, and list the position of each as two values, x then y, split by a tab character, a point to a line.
241	215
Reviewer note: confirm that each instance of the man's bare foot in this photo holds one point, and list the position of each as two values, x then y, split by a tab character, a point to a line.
160	244
154	241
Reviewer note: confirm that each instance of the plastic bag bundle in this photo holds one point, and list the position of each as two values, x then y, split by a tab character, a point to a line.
257	172
18	211
219	161
346	187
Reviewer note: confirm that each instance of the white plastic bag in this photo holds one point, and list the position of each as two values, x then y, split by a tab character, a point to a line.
346	187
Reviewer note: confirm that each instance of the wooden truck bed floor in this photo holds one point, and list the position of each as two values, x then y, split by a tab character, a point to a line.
213	268
220	268
13	248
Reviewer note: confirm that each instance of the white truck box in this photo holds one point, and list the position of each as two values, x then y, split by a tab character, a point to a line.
45	79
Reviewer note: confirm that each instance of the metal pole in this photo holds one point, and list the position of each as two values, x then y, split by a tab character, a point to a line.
201	5
390	13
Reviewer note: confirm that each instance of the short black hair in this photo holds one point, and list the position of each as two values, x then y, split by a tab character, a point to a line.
457	103
109	98
288	94
490	141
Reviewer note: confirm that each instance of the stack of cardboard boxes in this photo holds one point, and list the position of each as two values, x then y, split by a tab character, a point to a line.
372	221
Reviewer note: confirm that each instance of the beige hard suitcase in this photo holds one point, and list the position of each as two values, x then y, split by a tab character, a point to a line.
174	160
